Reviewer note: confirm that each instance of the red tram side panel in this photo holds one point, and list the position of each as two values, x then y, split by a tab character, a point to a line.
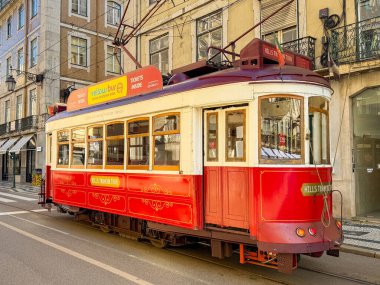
171	199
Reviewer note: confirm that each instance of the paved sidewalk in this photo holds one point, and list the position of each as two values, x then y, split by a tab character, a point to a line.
28	188
361	238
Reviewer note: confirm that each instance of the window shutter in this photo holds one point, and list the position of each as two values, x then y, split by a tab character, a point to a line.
285	18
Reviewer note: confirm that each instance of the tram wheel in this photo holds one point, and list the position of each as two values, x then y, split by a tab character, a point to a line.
105	228
159	243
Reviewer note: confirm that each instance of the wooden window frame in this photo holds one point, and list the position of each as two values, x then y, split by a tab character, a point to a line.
106	139
244	158
175	132
327	113
62	143
88	148
302	133
140	167
72	142
216	159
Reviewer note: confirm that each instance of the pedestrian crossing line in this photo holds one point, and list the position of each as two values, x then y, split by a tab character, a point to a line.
22	212
17	197
5	200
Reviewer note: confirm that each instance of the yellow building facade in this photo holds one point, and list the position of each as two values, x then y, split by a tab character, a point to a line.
343	39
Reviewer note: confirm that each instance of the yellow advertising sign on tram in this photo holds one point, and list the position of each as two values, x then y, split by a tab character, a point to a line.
107	91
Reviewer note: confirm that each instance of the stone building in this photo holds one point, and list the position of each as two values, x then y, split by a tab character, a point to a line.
343	39
49	48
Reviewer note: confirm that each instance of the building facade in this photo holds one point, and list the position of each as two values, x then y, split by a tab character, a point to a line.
50	48
342	38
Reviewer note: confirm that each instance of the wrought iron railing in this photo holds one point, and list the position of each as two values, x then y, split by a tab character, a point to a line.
304	46
19	125
4	3
29	123
356	42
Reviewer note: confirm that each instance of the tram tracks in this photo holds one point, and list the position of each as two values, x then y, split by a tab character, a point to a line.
250	274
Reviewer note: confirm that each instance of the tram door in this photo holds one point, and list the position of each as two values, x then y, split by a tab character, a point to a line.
226	175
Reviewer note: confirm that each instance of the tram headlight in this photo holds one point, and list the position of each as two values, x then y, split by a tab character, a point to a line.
300	232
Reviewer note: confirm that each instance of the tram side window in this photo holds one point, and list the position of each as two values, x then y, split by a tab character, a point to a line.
77	148
63	148
95	147
166	135
138	144
115	145
212	137
235	135
319	130
281	125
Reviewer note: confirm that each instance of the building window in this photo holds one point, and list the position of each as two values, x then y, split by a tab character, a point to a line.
95	147
20	61
32	103
113	60
18	107
78	51
115	145
367	9
8	66
78	148
63	148
34	8
281	25
113	13
33	52
21	17
9	27
283	36
7	111
166	137
138	143
79	7
159	53
209	33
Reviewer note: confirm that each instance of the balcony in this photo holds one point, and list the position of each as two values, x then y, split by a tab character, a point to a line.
304	46
356	42
19	125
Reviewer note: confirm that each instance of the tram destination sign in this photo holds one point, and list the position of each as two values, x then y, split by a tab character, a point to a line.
143	80
313	189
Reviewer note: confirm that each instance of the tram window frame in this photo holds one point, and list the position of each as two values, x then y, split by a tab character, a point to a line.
114	138
326	138
301	160
129	136
216	148
59	143
236	159
163	133
91	140
74	141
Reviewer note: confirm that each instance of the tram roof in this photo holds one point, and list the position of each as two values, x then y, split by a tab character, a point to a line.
268	73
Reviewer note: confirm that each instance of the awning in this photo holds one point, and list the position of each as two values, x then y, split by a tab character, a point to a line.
8	144
2	142
18	146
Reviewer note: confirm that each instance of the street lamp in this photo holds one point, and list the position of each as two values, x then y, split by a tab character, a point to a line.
11	82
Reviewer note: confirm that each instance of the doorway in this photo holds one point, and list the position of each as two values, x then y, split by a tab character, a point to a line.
4	172
30	160
226	173
366	152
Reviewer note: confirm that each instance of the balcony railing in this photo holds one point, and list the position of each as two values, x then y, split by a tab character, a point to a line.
356	42
19	125
4	3
304	46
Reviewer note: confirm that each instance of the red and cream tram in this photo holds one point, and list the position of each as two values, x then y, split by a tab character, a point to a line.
238	157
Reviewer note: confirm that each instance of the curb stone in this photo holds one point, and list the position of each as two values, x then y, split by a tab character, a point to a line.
360	251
